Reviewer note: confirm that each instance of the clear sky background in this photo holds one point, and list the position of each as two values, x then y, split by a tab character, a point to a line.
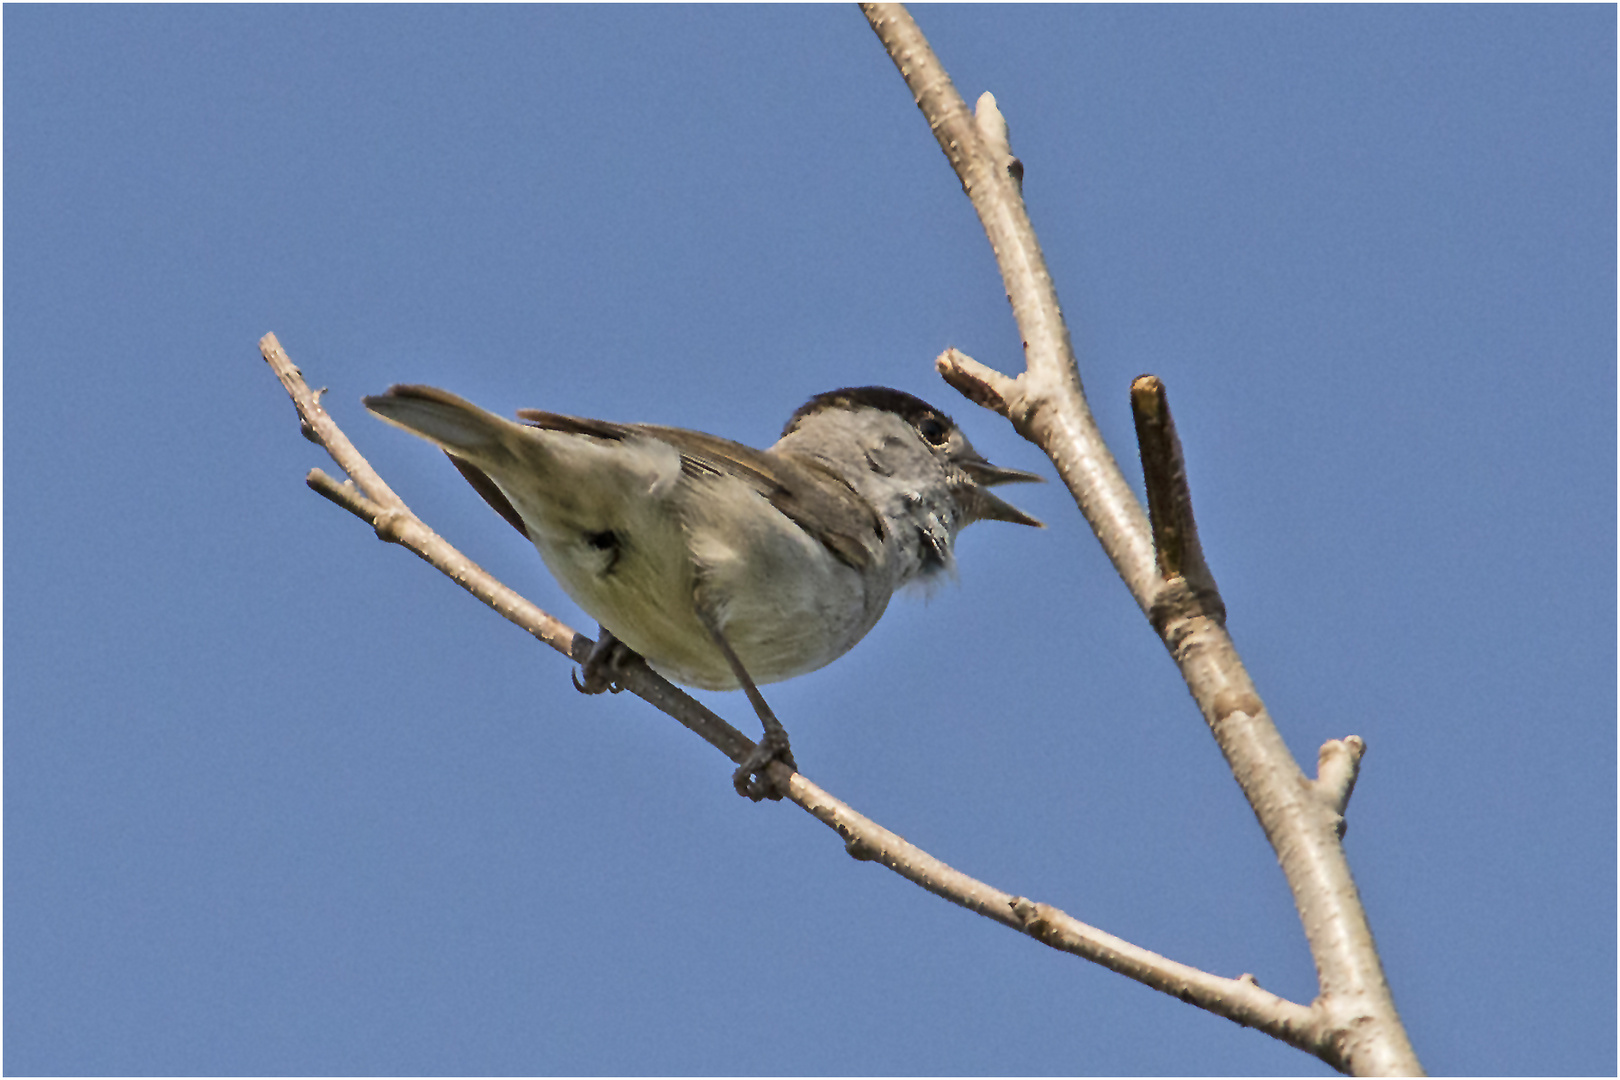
281	799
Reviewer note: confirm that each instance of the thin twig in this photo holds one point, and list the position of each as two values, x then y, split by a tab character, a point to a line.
345	495
1176	549
1240	999
1357	1028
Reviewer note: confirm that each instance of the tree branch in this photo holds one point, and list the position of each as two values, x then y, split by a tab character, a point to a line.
1046	403
1338	764
1240	1000
1356	1028
1176	549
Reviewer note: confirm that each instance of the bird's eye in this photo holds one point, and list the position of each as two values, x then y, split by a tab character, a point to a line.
934	430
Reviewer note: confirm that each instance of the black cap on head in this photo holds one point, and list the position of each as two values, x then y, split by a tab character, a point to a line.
913	410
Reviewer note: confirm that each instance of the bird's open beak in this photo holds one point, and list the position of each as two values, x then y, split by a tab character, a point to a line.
983	505
989	475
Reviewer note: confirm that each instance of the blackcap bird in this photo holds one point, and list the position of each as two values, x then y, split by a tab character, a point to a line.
722	565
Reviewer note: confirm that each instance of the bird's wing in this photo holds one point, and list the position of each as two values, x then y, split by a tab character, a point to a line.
485	487
814	497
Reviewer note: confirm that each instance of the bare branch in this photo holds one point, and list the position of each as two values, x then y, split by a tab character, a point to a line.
318	427
345	495
1175	534
1240	1000
1357	1028
1045	404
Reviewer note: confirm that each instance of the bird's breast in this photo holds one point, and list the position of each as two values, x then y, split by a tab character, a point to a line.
785	602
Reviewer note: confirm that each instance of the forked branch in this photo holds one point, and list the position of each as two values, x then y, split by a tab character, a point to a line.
1355	1027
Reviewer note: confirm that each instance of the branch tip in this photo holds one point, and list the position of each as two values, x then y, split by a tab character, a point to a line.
1338	764
991	124
345	495
1148	396
984	386
992	128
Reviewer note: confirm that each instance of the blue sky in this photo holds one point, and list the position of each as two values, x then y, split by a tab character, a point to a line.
280	799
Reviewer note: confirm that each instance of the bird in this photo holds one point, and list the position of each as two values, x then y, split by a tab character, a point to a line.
723	566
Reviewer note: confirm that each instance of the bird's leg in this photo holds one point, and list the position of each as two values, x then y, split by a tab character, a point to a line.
605	660
773	745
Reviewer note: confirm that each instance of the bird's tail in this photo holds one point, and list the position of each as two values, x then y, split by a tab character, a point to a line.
476	440
454	424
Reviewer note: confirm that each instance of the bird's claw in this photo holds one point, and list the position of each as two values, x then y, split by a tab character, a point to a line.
595	683
602	665
752	778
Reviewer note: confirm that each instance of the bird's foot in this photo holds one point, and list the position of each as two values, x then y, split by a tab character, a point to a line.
752	778
603	664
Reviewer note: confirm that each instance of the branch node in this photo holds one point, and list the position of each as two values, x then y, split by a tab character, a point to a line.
857	848
1033	916
1176	602
390	525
